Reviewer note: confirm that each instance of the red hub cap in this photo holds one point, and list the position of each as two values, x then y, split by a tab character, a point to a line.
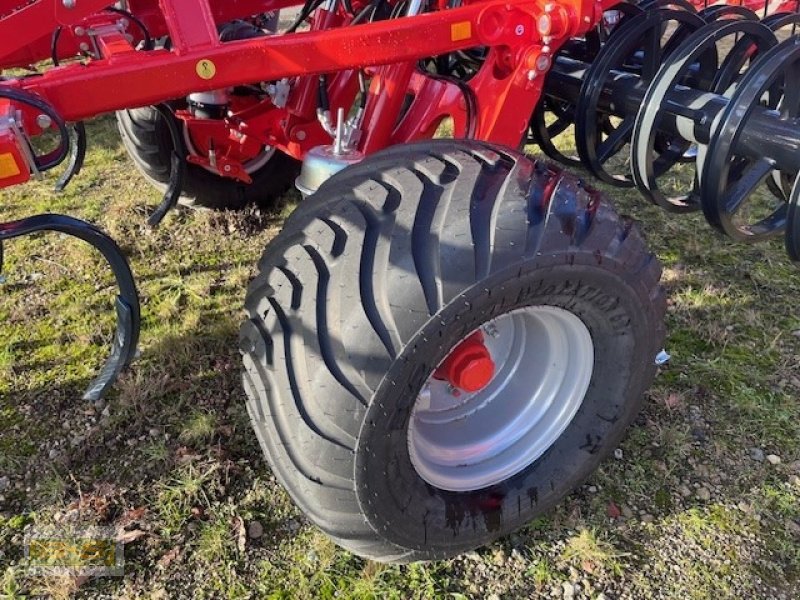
469	367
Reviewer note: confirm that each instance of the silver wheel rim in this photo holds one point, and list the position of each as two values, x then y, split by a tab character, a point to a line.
544	359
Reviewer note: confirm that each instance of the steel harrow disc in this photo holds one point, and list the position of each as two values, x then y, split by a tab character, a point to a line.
639	45
782	20
730	180
697	57
720	11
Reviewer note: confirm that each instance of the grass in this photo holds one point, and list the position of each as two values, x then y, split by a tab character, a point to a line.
171	456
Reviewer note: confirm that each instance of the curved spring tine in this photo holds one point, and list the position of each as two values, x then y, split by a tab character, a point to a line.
77	154
127	302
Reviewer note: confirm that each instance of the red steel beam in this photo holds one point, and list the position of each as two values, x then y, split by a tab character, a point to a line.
138	79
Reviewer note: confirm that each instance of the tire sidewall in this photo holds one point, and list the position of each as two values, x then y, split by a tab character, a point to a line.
406	510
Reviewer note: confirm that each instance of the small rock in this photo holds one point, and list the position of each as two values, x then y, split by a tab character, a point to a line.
794	480
154	432
602	596
493	597
744	507
703	494
53	454
567	590
647	518
293	525
626	511
255	530
5	482
773	459
795	466
106	412
618	454
757	454
684	490
592	489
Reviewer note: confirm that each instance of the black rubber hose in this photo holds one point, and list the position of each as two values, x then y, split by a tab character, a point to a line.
149	44
54	45
470	100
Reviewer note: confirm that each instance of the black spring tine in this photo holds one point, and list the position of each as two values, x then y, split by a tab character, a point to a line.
127	306
77	154
177	170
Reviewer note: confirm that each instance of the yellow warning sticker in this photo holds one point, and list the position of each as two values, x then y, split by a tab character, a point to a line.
8	166
206	69
460	31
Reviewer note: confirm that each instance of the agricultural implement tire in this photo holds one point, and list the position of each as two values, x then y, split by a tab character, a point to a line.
393	447
147	140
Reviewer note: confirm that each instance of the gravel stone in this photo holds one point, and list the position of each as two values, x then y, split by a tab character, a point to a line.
5	482
567	590
773	459
703	494
618	454
757	454
255	530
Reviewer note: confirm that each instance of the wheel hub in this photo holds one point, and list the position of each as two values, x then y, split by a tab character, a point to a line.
469	367
501	398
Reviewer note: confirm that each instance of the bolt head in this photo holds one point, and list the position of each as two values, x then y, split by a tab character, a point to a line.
68	3
79	31
44	121
301	135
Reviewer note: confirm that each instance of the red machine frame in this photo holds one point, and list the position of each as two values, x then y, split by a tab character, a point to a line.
520	35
